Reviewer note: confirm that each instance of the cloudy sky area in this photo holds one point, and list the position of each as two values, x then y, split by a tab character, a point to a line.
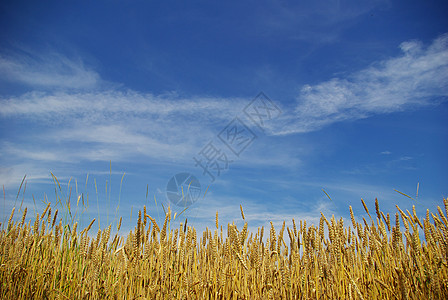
357	91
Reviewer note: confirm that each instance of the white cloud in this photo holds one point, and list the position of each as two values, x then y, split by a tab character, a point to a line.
117	125
418	77
50	70
114	104
35	154
11	176
114	125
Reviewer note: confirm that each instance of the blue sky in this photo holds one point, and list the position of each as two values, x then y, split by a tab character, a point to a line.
140	88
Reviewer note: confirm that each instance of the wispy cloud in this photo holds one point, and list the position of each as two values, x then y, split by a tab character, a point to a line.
11	176
116	125
118	103
51	70
417	77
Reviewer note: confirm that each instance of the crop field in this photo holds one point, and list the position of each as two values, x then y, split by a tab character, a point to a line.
379	257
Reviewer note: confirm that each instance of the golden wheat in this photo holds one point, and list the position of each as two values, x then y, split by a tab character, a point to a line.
361	261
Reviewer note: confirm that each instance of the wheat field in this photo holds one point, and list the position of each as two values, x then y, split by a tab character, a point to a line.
382	257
